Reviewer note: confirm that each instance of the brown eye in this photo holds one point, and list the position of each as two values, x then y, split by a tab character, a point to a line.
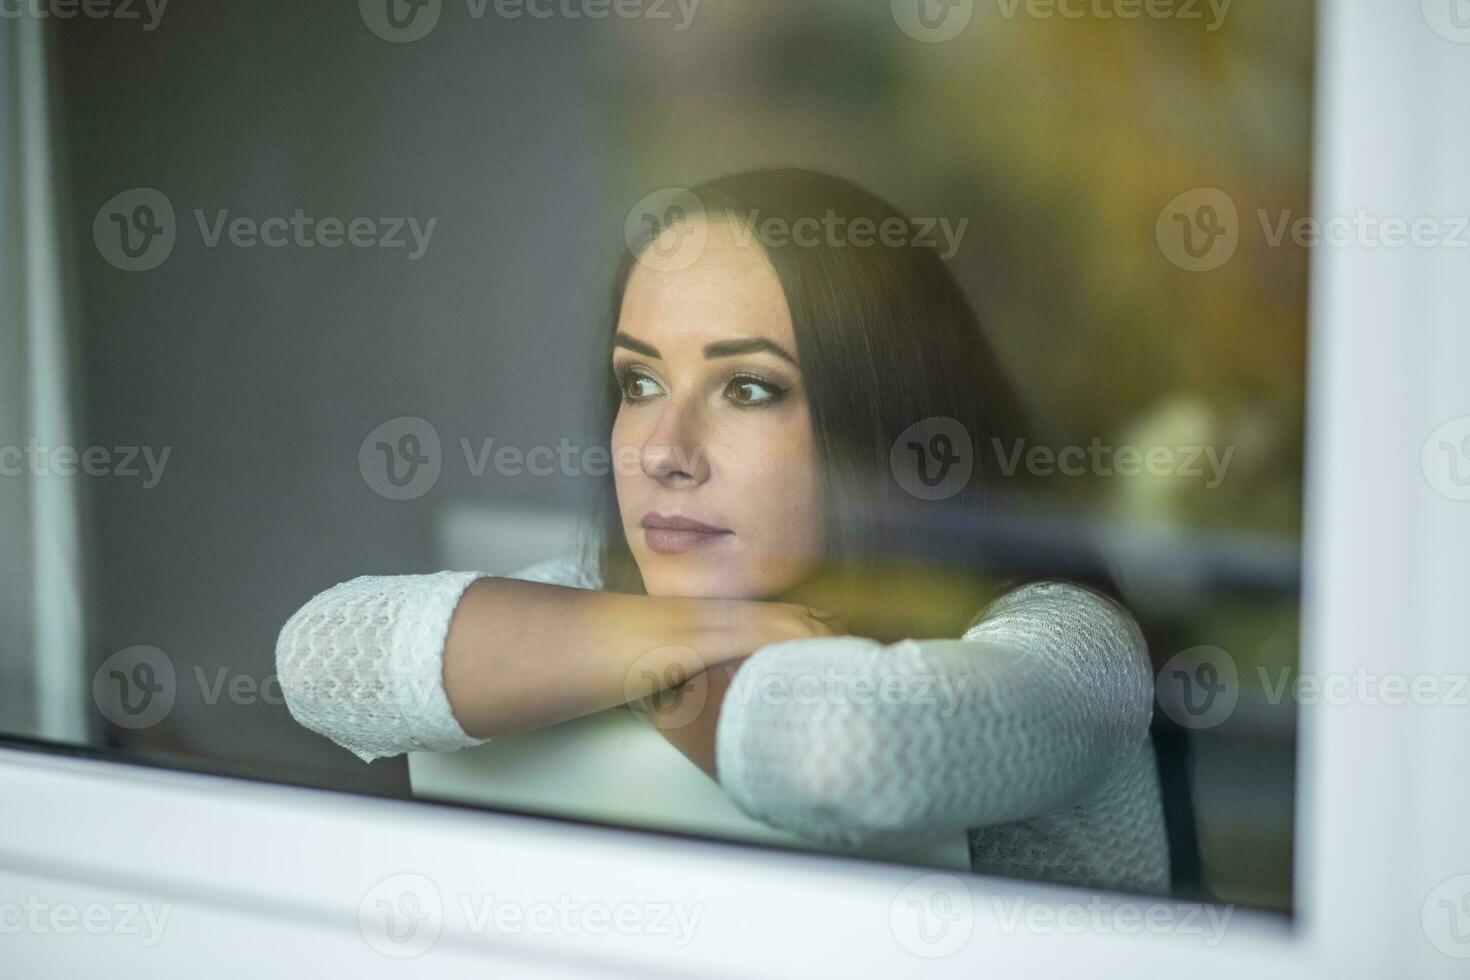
637	386
751	391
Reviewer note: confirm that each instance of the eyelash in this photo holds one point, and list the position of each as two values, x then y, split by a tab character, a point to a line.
777	392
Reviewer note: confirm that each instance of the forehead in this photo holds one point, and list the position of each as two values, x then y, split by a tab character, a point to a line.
730	291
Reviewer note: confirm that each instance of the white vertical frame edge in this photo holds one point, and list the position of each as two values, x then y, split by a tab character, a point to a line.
1384	791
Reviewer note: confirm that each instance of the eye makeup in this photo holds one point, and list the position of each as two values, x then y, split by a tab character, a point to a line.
743	388
628	375
737	380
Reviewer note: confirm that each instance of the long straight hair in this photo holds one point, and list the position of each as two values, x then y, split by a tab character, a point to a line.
887	341
889	347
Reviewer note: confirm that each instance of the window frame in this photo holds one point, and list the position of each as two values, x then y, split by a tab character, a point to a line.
1381	790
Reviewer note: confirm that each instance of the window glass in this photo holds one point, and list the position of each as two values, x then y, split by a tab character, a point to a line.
1012	299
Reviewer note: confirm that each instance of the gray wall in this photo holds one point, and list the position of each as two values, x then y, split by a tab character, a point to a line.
263	369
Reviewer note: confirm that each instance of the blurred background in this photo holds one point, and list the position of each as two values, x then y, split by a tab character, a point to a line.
1065	144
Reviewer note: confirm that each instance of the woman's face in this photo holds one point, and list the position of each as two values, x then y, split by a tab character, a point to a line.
717	476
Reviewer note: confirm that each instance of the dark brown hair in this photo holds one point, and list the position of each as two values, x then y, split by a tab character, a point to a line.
886	340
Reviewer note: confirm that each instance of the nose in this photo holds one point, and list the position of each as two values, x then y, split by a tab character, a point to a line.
674	451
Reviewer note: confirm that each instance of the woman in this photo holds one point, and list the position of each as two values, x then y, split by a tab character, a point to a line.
785	404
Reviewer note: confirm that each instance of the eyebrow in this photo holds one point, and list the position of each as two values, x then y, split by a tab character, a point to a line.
721	348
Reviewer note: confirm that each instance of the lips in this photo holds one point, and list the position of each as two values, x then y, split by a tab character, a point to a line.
668	535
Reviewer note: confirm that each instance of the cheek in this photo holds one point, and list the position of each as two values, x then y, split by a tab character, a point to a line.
779	480
624	443
622	434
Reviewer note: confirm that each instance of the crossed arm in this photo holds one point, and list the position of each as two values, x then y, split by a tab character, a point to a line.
853	742
840	739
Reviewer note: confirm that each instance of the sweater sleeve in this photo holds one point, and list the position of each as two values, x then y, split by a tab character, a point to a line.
363	662
853	742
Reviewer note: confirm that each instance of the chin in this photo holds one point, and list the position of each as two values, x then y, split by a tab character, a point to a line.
699	577
680	577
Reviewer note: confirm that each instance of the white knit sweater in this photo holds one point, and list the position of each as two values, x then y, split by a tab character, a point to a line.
1031	731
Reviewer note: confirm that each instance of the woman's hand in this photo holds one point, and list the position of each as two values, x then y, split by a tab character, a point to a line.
778	621
688	714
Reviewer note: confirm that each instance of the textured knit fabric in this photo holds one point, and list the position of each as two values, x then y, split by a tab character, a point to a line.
1031	732
363	663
